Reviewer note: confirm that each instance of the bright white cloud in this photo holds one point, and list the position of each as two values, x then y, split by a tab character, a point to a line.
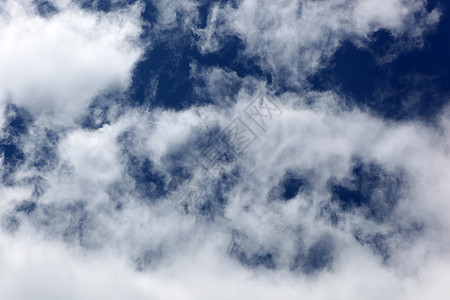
56	65
195	253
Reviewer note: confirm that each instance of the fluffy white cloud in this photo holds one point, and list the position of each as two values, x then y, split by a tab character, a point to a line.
56	65
191	255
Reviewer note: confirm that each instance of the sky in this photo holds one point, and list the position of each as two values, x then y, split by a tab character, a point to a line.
213	149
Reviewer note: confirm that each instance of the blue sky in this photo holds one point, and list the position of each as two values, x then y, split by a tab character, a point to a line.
246	149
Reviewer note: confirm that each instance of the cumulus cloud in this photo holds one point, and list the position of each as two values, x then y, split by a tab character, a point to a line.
152	234
56	65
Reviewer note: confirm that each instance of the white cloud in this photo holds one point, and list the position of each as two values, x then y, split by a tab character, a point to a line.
194	253
293	38
56	65
91	230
